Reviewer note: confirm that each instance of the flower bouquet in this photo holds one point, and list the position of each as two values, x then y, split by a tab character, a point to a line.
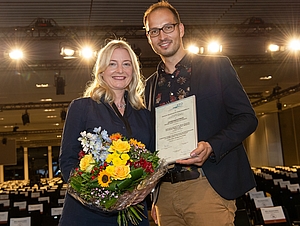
114	174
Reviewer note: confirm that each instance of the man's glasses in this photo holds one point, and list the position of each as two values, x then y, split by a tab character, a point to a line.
167	28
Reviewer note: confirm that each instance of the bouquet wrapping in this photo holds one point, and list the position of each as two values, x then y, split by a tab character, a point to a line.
115	174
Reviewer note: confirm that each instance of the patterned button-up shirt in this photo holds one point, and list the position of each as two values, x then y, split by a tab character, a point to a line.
175	86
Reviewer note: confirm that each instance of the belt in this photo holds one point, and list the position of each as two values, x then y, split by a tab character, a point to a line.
175	177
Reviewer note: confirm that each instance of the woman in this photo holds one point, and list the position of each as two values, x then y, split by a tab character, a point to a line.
114	102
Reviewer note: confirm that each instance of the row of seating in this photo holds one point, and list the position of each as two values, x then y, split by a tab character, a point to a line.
39	205
275	200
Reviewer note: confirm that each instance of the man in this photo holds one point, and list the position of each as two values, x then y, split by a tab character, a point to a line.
200	190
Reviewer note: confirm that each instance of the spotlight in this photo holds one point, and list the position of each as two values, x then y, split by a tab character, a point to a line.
4	141
274	47
194	49
87	53
59	84
25	118
16	54
214	47
15	128
137	51
276	89
279	105
294	45
68	52
63	115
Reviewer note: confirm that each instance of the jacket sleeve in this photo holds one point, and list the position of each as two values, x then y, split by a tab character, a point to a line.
237	112
70	146
229	114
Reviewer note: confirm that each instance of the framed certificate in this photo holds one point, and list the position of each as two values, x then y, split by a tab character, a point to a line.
176	129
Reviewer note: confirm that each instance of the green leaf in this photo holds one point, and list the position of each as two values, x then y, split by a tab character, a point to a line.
136	173
76	183
109	203
136	214
113	186
94	183
123	184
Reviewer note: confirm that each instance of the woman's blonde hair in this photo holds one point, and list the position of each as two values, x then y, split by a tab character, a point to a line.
98	88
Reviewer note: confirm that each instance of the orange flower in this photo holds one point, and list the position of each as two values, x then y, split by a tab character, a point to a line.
136	143
115	136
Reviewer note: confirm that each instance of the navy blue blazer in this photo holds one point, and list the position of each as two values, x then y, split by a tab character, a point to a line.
85	114
225	118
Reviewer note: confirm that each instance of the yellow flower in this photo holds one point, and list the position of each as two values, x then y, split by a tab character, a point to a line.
111	157
118	161
120	146
119	172
110	169
104	179
86	163
125	157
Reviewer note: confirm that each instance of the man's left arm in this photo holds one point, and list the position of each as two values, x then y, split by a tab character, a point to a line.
241	124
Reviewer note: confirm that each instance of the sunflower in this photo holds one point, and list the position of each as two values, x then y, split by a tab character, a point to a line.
104	179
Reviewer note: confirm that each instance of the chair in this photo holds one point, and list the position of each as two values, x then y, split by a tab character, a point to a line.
3	218
53	218
36	217
20	221
278	223
242	218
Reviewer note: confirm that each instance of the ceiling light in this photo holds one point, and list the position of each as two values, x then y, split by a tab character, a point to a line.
46	99
273	47
51	116
193	49
294	45
268	77
68	52
16	54
214	47
8	127
87	53
42	85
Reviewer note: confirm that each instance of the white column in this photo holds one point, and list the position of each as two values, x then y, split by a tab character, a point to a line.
50	167
26	168
1	173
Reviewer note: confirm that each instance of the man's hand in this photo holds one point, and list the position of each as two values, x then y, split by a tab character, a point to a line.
198	155
154	214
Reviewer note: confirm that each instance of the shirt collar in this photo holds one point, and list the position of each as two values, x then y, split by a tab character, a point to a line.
186	61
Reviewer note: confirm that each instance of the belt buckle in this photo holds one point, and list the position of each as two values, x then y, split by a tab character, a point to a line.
173	177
